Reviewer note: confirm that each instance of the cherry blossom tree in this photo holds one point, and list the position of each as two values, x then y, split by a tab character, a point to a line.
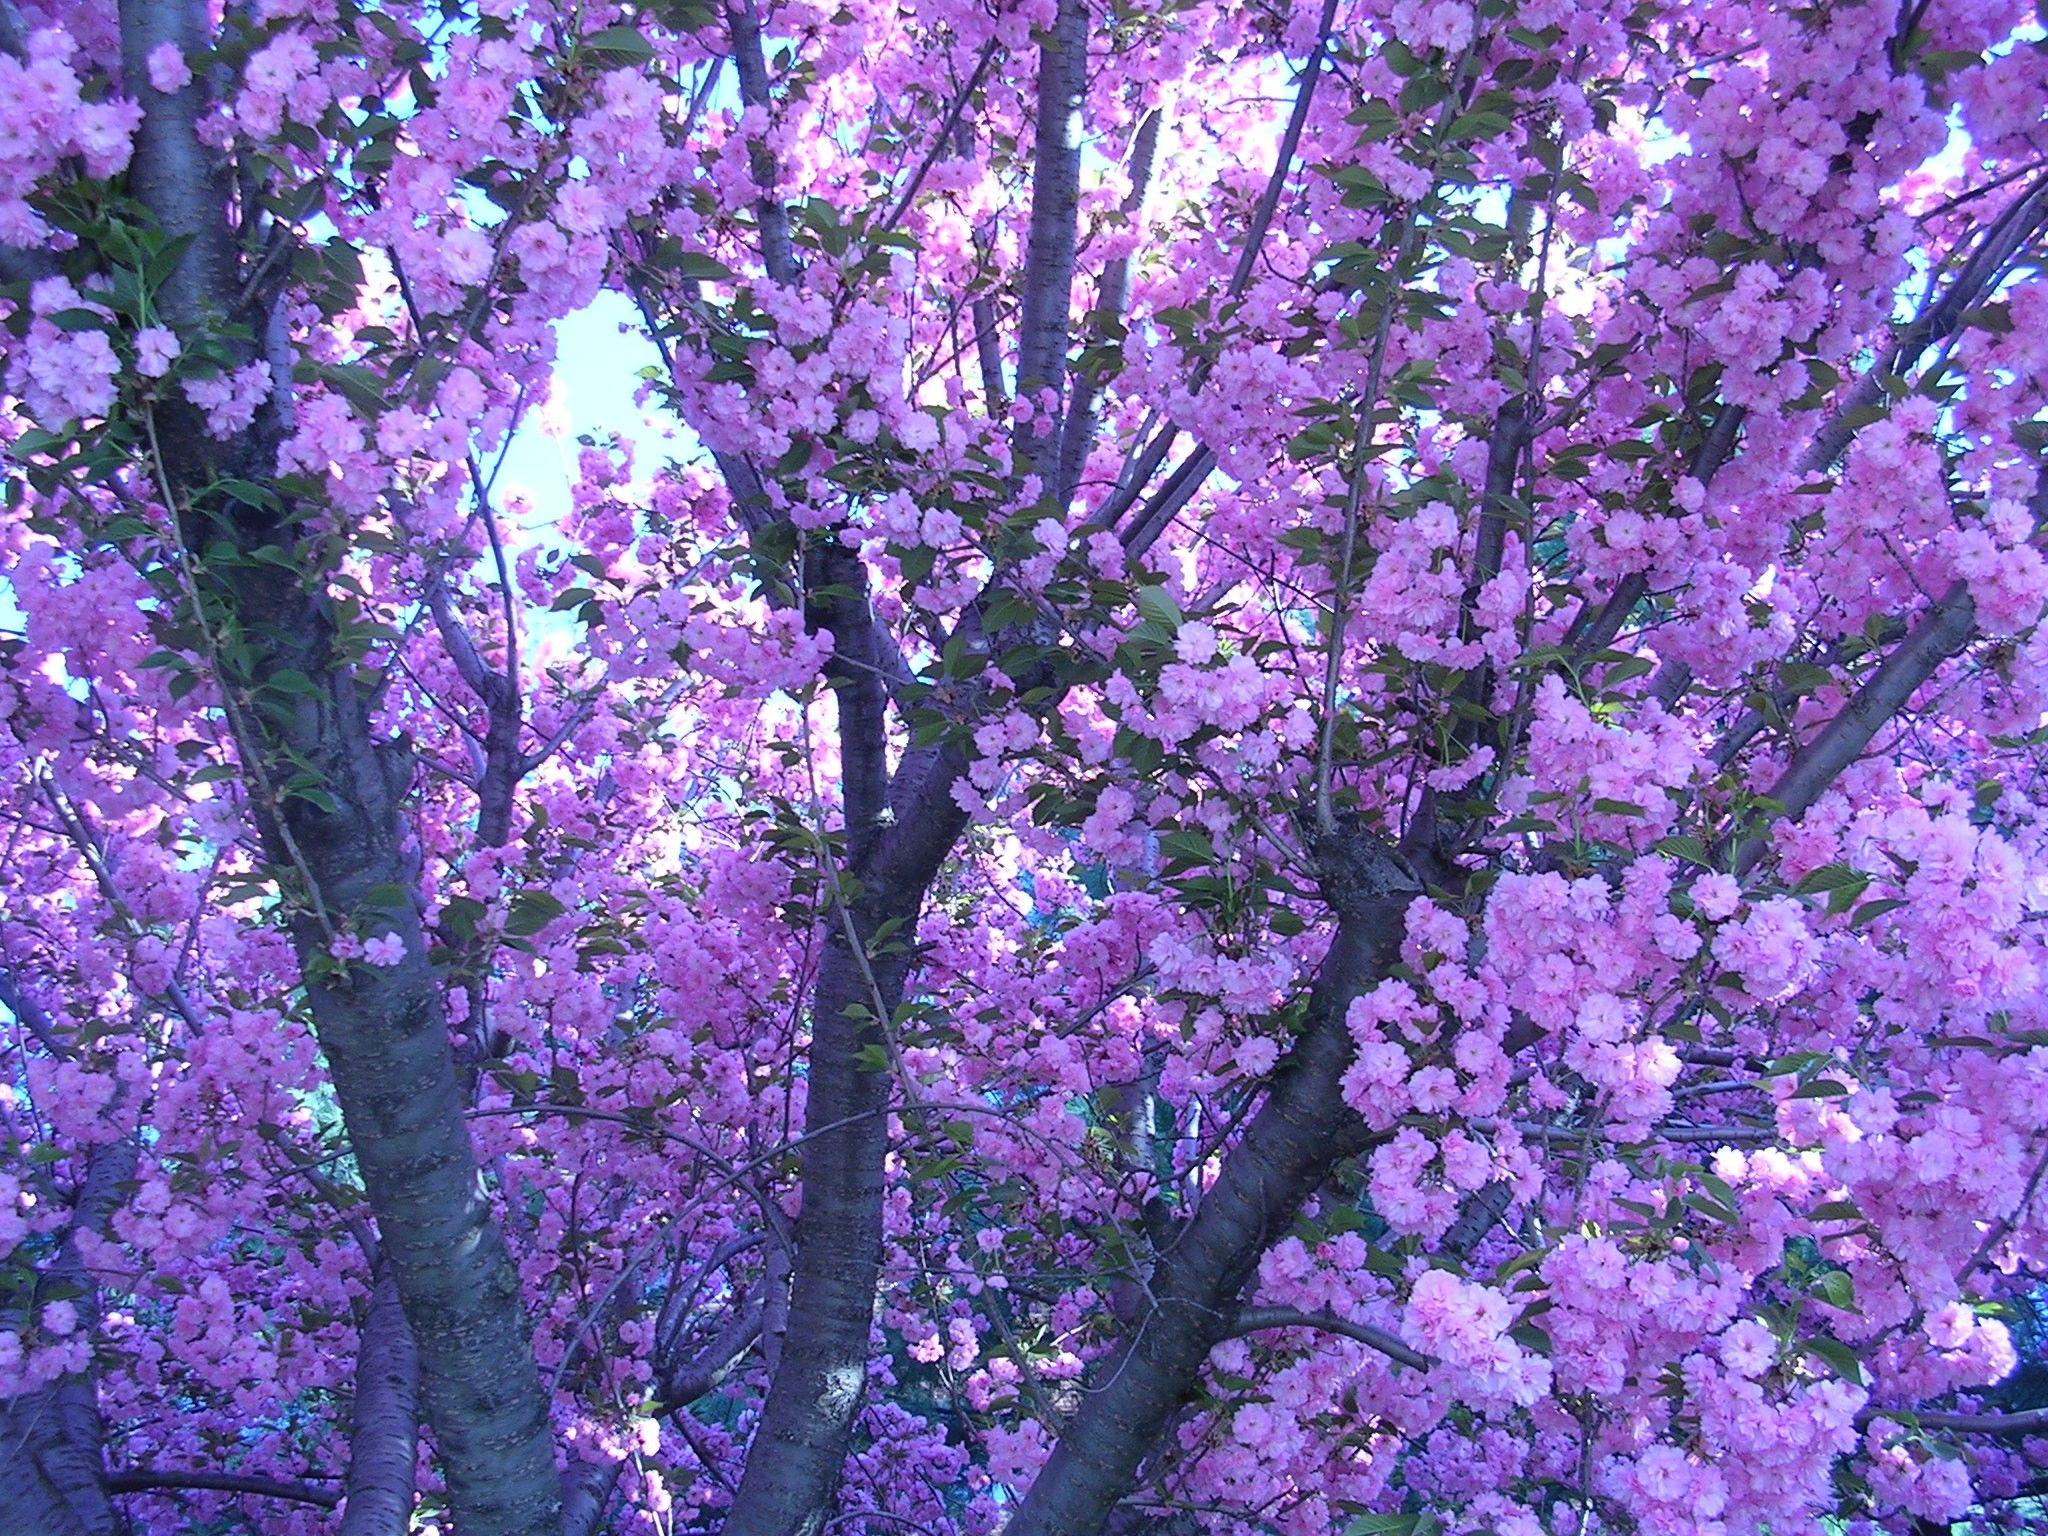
1288	782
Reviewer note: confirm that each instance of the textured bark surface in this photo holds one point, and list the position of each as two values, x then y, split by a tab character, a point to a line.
793	1467
328	799
52	1441
384	1421
1300	1133
899	831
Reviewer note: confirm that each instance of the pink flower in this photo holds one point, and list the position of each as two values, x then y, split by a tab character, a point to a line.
386	950
156	348
230	400
168	71
69	374
1195	644
1255	1057
1716	895
1747	1348
1951	1326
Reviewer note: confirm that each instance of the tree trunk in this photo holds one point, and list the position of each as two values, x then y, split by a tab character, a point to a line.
1299	1134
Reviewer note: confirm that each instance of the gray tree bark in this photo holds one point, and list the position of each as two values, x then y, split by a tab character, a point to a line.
328	799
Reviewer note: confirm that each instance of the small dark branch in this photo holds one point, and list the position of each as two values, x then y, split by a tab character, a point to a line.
505	700
943	138
674	1314
744	25
988	331
31	1014
1595	628
1165	504
384	1421
1048	279
1910	17
1283	162
1988	266
20	266
1262	1319
2001	1229
152	1480
2011	1426
1156	451
683	1381
1428	839
462	651
756	514
1511	426
1078	438
749	493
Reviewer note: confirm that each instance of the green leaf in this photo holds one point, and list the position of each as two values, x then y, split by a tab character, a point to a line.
695	266
1157	603
1822	1088
530	911
1837	1290
1831	877
1187	847
1840	1358
1691	849
294	683
623	42
1870	911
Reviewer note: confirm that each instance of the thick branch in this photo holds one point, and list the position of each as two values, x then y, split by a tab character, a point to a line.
52	1439
172	172
1299	1134
1262	1319
1048	280
777	255
800	1447
1939	634
2012	1426
152	1480
585	1493
683	1381
1077	439
836	585
384	1423
328	798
